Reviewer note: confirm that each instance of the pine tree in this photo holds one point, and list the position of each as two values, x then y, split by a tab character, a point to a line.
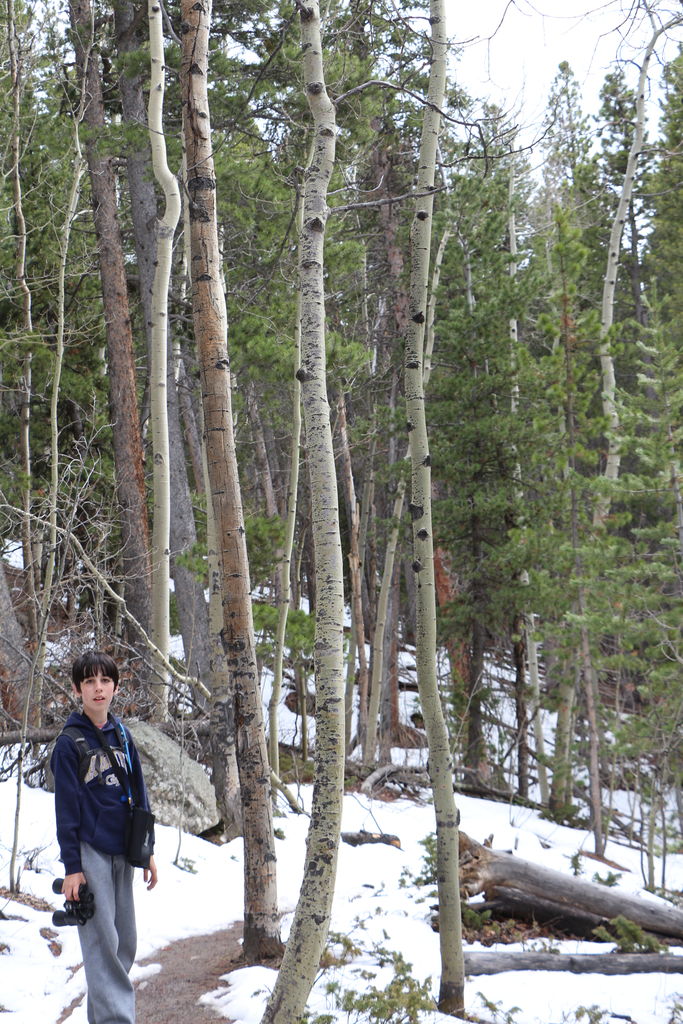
666	238
478	438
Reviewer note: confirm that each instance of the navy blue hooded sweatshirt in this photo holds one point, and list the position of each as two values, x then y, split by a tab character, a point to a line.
94	811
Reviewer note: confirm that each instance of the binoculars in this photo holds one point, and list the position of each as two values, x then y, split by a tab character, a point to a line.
75	911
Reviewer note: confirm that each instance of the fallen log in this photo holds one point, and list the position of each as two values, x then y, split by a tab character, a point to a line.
588	963
532	909
13	736
398	774
502	875
362	837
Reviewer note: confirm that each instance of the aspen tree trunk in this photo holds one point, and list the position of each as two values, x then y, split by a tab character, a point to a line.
611	414
189	589
166	225
309	930
239	701
431	305
30	549
452	984
391	323
193	609
354	575
359	518
366	513
389	713
37	664
609	403
366	504
30	542
30	555
285	568
370	747
191	604
127	440
224	770
24	417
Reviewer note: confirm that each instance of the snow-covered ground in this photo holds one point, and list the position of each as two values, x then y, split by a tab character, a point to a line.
376	904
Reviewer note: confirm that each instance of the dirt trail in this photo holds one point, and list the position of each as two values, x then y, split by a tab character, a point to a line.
189	968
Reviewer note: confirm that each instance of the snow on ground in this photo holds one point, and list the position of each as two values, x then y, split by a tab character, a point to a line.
376	904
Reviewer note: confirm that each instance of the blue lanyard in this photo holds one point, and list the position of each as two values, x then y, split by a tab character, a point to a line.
126	747
125	783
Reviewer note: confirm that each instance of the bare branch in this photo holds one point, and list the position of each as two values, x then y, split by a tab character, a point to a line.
386	202
409	92
192	681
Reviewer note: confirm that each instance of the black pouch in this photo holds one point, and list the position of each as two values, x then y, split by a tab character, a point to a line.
140	825
139	837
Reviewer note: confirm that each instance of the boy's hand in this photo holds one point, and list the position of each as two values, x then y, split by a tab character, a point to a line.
72	884
150	874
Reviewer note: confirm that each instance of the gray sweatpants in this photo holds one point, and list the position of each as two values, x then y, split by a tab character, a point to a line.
109	938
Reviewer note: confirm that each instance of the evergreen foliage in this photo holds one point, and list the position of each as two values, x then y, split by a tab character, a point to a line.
517	431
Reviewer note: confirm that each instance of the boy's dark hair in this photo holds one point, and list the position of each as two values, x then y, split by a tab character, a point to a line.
90	663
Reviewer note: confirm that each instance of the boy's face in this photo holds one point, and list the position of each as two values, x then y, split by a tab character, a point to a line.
97	692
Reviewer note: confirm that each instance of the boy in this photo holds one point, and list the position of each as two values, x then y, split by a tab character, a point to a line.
92	810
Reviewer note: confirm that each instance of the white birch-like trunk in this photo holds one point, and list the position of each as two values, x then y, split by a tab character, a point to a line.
609	403
166	225
309	930
285	569
355	576
370	748
37	667
611	413
431	305
367	499
452	984
224	771
237	710
31	557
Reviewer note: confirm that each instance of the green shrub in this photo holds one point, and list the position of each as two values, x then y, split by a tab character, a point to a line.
497	1012
401	1001
628	937
610	879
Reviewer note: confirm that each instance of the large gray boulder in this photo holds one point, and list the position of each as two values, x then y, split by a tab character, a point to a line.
179	789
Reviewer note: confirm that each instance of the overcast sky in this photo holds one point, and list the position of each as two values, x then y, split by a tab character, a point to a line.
513	47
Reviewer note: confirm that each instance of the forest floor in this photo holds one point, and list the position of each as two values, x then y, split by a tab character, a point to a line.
189	968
